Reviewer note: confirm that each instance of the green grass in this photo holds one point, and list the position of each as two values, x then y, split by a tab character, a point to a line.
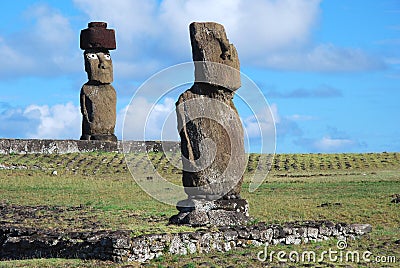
96	191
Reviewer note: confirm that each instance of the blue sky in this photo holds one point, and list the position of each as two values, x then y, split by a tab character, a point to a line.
329	69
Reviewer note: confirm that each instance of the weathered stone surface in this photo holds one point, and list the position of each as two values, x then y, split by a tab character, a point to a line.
197	212
217	61
97	36
98	107
238	205
396	199
22	243
36	146
98	65
360	228
120	246
212	140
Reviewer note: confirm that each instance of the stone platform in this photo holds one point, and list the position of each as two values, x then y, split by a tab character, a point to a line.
120	246
36	146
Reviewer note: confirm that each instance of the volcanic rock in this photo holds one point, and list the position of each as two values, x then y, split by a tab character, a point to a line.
98	104
212	139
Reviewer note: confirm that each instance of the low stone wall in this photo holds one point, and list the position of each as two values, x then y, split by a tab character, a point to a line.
35	146
118	246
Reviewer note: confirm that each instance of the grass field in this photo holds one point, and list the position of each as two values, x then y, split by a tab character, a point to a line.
96	191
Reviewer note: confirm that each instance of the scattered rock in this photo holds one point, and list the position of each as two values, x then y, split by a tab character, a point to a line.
329	205
396	198
205	264
360	228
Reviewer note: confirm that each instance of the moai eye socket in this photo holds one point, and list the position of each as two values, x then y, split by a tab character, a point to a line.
91	56
107	56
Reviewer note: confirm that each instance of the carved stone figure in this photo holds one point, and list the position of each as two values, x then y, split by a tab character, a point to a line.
210	45
212	140
98	98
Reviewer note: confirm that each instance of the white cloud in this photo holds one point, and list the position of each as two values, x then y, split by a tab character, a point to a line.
254	26
322	91
391	42
46	47
56	122
324	58
142	120
51	28
133	19
267	123
176	15
267	33
154	34
52	43
13	61
61	121
334	141
262	123
125	69
392	60
265	26
300	117
328	144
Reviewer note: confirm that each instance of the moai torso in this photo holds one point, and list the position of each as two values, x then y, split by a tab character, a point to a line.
98	97
98	104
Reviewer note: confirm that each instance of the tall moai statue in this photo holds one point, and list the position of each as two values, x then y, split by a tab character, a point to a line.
212	139
98	98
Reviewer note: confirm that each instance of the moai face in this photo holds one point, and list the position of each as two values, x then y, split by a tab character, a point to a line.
98	65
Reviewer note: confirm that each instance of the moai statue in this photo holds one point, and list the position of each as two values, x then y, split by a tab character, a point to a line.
212	139
98	98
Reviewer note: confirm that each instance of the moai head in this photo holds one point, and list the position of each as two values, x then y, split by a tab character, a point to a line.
98	65
216	60
97	40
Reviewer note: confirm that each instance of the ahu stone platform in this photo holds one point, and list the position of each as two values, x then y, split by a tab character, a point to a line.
121	246
36	146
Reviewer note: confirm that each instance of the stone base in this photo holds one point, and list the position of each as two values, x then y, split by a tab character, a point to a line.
35	146
121	246
100	137
200	212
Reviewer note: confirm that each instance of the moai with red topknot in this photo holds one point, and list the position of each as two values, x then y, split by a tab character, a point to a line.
98	98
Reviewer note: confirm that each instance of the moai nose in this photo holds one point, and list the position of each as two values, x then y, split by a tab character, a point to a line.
103	63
